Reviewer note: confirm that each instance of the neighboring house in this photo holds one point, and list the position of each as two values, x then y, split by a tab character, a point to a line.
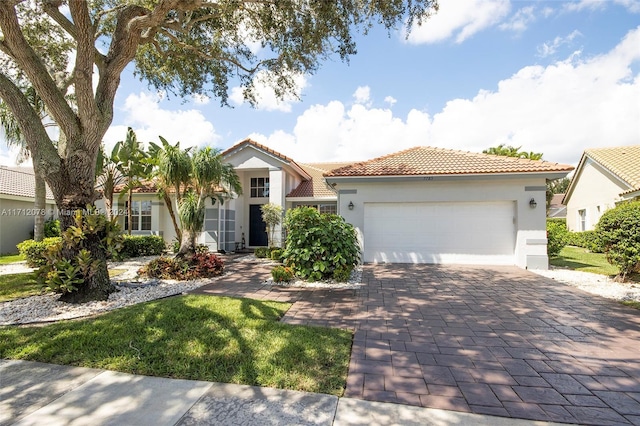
17	192
423	205
604	177
556	209
432	205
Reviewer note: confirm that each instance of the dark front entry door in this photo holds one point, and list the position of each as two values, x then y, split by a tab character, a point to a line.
257	227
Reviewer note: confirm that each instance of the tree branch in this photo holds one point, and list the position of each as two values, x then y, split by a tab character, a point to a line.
27	59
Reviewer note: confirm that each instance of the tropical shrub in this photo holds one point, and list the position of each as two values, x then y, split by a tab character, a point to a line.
282	274
342	273
589	240
142	245
619	230
34	251
69	263
556	237
200	265
318	244
262	252
276	254
52	228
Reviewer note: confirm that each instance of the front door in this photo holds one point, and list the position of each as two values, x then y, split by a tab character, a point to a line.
257	227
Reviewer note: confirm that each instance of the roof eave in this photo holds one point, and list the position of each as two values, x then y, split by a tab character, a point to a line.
549	174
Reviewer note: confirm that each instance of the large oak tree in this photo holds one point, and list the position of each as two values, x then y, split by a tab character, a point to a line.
184	47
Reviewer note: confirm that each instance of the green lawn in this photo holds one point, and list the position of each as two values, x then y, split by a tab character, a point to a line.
194	337
581	259
10	258
14	286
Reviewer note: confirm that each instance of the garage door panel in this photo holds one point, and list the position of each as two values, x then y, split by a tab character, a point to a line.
455	232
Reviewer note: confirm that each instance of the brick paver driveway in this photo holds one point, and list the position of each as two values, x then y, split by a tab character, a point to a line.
489	340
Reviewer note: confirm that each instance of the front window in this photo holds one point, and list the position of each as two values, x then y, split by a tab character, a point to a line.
140	216
582	214
328	208
259	187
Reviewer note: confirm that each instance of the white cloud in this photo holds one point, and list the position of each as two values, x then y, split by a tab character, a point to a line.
558	110
362	95
144	114
390	100
520	21
576	6
266	98
460	20
332	132
200	99
550	48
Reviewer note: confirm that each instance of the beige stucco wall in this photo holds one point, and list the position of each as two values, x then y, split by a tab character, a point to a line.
595	191
530	223
16	221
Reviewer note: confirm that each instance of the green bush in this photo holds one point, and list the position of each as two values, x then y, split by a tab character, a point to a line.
318	244
281	274
276	254
556	237
619	230
342	273
201	265
52	228
142	245
34	251
262	252
67	274
589	240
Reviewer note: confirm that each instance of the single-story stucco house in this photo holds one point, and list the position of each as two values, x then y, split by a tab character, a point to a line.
604	177
422	205
17	192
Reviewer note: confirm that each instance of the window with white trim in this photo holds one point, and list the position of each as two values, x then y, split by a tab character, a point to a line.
259	187
140	216
582	219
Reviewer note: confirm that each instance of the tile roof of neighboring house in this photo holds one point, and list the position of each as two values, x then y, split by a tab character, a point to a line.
556	200
622	161
20	182
315	187
440	161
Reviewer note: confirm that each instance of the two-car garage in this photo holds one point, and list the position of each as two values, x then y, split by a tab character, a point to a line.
440	232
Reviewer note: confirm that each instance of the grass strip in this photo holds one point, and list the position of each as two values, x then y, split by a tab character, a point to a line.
14	286
194	337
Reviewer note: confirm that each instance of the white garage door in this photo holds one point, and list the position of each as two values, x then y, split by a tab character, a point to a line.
455	232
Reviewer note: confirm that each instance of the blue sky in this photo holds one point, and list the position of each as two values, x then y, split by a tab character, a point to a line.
551	76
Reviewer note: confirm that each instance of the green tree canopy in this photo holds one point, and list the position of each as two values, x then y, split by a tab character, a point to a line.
81	48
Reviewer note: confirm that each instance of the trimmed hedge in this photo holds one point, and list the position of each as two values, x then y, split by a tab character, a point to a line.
619	231
142	245
589	240
556	237
34	251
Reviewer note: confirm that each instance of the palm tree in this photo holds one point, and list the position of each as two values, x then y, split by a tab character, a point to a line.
210	178
172	172
133	164
14	137
108	177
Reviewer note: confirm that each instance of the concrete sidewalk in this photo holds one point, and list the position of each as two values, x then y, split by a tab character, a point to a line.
33	393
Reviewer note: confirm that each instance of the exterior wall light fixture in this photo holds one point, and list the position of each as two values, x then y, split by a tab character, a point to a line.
350	205
532	203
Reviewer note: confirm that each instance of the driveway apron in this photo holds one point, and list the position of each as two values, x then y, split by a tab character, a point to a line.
482	339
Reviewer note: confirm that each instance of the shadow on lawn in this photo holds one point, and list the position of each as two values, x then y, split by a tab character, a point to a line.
194	337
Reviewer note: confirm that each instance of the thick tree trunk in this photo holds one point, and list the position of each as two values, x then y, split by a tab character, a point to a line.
188	244
39	206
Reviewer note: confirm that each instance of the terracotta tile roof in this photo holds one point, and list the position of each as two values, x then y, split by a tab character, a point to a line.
556	201
622	161
439	161
20	182
259	146
148	187
315	187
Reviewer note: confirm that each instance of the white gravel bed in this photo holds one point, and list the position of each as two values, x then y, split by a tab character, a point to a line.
598	284
15	268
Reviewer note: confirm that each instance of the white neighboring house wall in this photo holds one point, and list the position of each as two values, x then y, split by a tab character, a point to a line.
595	190
530	247
17	220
